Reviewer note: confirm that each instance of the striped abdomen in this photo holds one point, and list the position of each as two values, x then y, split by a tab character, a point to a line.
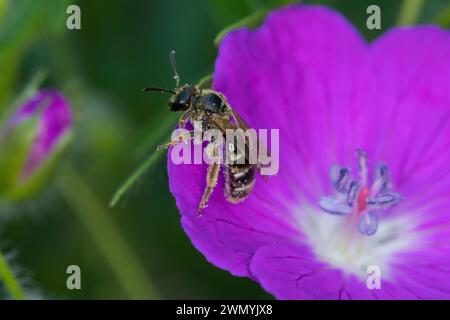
239	181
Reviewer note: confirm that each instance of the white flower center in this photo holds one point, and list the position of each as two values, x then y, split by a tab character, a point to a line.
336	244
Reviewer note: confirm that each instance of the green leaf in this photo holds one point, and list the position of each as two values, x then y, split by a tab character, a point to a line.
410	11
3	4
10	280
57	15
444	18
19	25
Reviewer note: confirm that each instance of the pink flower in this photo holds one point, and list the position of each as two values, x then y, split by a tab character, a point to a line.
304	234
55	120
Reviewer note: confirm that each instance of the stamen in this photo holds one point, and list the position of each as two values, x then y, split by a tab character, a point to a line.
352	192
384	200
340	178
362	166
384	175
354	198
334	206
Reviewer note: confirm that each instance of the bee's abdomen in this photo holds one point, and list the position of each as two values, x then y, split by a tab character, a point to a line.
239	181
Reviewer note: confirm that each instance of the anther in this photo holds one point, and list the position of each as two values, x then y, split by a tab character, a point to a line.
340	177
352	192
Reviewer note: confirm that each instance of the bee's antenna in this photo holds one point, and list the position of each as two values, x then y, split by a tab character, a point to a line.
173	64
158	89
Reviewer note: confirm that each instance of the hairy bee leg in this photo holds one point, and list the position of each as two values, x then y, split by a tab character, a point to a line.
183	119
211	179
180	139
211	182
181	125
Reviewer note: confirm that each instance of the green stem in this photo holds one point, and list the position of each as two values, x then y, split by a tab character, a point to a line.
250	21
106	235
206	81
131	180
11	283
409	12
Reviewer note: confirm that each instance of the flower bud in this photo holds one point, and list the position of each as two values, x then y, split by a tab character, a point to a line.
30	142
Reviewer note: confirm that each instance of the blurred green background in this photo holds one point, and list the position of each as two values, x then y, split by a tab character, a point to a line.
122	47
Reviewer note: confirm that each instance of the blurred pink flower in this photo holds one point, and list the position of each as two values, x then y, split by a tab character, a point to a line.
54	122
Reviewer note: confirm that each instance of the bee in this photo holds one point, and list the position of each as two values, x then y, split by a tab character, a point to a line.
214	112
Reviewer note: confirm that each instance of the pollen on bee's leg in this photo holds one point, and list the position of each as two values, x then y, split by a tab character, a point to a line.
179	136
200	209
357	200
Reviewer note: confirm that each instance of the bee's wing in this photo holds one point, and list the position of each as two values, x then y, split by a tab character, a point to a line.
223	125
241	123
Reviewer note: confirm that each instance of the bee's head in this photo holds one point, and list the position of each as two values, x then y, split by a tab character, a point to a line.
182	98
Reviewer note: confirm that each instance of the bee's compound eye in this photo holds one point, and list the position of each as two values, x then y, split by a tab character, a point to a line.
181	100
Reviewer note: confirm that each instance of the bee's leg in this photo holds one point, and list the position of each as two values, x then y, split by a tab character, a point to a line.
183	119
211	182
182	138
181	125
